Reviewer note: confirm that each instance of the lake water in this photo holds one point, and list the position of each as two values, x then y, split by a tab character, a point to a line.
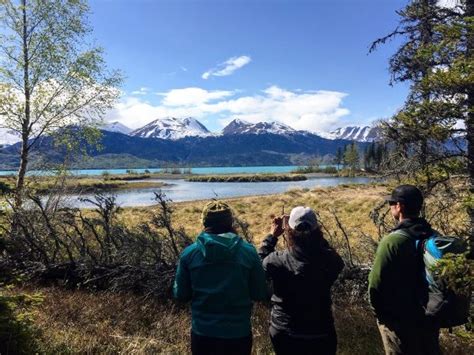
203	171
181	190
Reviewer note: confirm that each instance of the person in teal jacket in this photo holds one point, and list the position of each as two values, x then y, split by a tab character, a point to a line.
221	274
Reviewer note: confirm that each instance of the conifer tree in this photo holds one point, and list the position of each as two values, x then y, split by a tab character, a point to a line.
339	156
351	157
434	131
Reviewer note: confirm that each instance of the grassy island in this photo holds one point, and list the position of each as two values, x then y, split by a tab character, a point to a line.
83	184
247	178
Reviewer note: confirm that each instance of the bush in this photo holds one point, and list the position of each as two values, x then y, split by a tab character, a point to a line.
315	169
94	249
5	188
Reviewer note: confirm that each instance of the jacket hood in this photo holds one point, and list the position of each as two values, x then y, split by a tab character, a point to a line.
218	247
418	228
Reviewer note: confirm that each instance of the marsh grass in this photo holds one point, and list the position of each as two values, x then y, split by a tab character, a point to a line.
247	178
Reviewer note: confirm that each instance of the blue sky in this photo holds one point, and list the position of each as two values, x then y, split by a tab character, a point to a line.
302	62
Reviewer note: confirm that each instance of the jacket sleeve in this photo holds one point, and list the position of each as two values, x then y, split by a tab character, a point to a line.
182	289
268	246
258	285
380	275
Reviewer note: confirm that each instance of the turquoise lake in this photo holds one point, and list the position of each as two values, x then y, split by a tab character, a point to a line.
196	170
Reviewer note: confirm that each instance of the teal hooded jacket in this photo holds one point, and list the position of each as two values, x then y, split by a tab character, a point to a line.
221	275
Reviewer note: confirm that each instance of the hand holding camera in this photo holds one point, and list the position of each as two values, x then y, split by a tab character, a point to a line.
279	225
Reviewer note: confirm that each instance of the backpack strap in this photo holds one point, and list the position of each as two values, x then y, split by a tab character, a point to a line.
419	243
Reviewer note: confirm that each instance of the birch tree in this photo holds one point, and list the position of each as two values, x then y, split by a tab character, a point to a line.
51	76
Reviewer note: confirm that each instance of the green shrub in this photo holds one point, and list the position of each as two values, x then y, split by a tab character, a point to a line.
106	175
456	273
4	188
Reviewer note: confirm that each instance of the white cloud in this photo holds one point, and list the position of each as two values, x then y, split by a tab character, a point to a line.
448	3
313	111
141	91
192	96
228	67
306	110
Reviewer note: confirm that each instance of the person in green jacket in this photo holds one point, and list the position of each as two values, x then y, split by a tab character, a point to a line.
221	274
398	290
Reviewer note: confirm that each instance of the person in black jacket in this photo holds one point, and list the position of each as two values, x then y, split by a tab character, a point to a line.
302	276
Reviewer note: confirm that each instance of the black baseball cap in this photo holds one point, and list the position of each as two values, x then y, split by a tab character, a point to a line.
409	195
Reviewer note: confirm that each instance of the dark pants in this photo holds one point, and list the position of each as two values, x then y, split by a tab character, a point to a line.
202	345
405	339
284	344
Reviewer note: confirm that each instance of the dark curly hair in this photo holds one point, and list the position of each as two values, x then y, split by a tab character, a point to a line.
306	239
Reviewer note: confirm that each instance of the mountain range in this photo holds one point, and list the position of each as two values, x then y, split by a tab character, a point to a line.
119	150
186	141
177	128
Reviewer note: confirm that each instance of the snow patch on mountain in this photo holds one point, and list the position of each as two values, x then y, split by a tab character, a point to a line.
116	126
353	133
238	126
172	128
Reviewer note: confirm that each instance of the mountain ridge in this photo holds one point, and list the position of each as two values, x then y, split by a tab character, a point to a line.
214	150
172	128
355	133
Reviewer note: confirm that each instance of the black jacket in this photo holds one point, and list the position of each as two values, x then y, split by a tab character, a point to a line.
301	300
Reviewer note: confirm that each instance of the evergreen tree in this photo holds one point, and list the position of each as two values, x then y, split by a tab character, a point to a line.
351	157
380	152
339	156
370	161
431	131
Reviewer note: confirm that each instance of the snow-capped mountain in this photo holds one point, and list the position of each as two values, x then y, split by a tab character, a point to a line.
116	126
354	133
8	137
172	128
238	126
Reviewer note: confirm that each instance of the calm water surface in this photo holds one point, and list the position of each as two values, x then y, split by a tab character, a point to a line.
208	170
182	190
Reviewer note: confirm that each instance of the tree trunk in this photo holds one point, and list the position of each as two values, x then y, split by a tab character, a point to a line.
470	127
25	127
426	67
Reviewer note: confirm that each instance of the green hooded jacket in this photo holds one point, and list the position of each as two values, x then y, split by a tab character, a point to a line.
221	275
397	284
